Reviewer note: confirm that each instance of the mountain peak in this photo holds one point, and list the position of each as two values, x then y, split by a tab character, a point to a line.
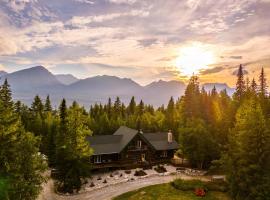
2	73
66	79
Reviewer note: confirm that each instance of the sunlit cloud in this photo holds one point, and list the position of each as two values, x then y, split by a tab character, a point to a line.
129	38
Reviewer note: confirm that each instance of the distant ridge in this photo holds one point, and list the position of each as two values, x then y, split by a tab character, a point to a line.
38	80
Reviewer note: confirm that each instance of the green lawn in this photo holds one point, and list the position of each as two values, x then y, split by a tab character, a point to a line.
167	192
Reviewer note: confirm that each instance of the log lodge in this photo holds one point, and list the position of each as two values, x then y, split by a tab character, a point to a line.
129	148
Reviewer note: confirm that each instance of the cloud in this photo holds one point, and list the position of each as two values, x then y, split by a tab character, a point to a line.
86	1
236	57
147	42
122	1
212	70
122	35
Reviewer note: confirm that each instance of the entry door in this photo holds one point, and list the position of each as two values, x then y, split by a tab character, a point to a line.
143	157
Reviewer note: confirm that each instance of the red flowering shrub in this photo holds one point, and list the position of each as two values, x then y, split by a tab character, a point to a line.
200	192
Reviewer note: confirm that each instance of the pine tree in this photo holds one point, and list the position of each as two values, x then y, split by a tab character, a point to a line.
5	95
141	108
214	92
248	158
37	106
73	152
117	107
109	108
254	87
240	85
191	107
263	84
48	106
170	116
21	166
132	106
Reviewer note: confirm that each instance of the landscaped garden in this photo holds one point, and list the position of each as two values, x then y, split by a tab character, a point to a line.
179	190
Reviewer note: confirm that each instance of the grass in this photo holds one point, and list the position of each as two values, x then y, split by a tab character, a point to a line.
168	192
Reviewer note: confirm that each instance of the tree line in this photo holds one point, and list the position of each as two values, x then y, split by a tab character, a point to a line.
212	128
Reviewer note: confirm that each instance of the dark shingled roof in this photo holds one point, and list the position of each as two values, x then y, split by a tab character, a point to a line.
105	144
160	141
108	144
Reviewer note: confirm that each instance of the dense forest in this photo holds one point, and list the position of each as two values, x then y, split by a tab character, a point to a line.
212	128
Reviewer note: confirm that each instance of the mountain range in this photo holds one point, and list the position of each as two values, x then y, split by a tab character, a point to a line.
27	83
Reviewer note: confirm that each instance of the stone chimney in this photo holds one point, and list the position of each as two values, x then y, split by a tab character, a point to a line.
170	137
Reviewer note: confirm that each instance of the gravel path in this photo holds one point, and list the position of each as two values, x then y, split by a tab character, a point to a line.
111	191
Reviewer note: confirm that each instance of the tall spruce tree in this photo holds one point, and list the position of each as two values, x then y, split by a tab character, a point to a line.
263	84
240	85
248	157
132	106
48	106
73	151
21	165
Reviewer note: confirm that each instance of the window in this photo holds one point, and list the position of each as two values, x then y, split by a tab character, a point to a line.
97	159
143	157
164	154
139	144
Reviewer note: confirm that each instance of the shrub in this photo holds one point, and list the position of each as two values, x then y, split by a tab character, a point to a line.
92	184
186	185
160	169
105	181
140	173
128	171
200	192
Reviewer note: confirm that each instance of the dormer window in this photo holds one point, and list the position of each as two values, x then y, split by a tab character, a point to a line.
139	144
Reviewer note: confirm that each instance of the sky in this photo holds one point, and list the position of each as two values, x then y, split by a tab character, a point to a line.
146	40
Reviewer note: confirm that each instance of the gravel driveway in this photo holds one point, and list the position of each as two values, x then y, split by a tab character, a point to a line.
111	191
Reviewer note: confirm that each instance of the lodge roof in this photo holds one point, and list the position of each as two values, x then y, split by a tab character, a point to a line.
109	144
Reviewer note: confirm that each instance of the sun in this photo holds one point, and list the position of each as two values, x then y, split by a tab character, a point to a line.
194	58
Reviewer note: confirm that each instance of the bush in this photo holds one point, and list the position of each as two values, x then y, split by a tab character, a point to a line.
92	184
140	173
186	185
160	169
105	181
128	171
220	186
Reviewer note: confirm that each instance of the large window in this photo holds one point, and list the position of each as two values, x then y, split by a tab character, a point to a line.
97	159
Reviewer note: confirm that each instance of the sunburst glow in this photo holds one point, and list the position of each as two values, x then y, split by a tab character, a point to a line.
194	58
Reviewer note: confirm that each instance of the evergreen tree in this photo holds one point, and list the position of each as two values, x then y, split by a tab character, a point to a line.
109	108
263	84
5	95
191	101
254	87
132	106
117	107
48	106
240	85
248	157
73	151
21	166
141	108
